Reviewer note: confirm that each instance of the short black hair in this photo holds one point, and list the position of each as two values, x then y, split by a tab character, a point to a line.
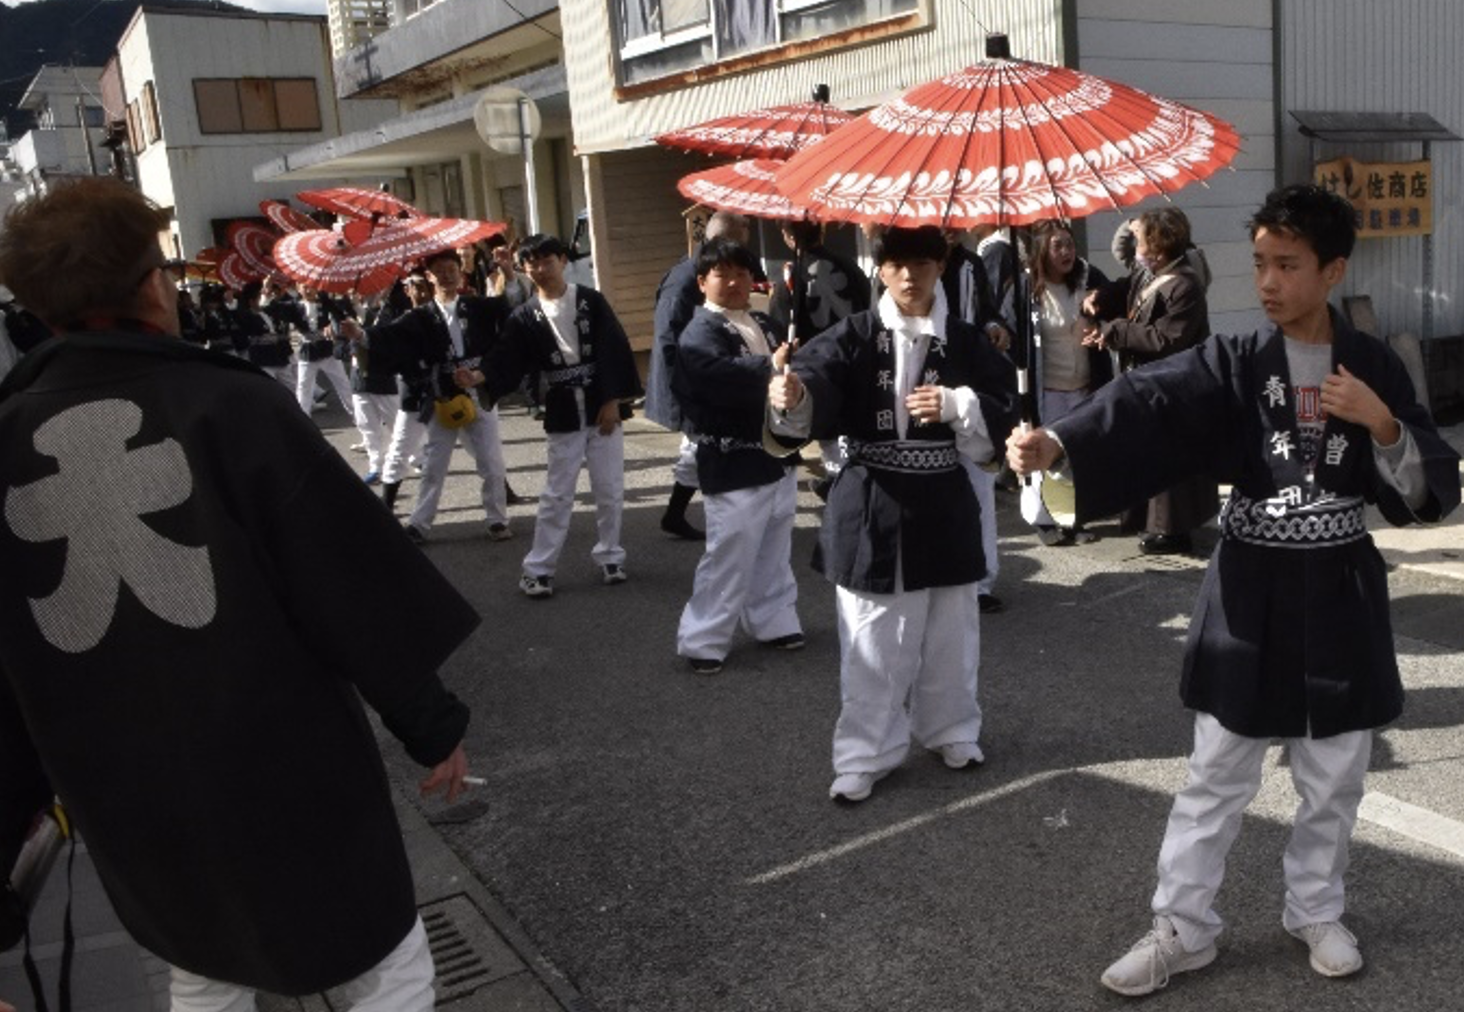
924	243
540	245
1324	220
440	255
721	252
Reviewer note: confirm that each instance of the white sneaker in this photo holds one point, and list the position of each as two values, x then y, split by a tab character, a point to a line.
613	573
854	786
960	754
1334	950
1153	960
536	586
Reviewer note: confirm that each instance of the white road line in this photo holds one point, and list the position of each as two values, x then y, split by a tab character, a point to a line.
899	828
1416	823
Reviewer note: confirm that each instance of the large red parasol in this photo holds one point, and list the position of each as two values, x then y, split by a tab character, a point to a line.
356	202
253	243
286	218
1007	142
745	187
778	131
335	262
234	273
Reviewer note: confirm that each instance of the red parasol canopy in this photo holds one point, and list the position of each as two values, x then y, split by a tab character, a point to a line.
253	244
356	202
333	262
779	131
745	187
1007	142
234	273
286	218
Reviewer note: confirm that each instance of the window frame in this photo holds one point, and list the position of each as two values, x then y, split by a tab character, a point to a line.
261	115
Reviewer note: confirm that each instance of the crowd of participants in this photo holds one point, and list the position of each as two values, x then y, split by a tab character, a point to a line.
907	381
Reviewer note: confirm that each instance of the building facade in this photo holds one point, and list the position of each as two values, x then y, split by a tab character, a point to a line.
206	95
68	129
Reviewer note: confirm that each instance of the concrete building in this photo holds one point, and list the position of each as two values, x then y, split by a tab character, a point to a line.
354	22
436	64
209	94
68	117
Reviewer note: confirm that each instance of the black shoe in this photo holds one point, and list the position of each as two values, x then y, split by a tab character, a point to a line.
793	641
990	604
514	499
1081	536
414	534
704	665
677	527
1166	544
1052	535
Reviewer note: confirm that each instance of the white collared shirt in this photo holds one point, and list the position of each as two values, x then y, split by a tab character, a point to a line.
561	314
747	326
448	310
912	342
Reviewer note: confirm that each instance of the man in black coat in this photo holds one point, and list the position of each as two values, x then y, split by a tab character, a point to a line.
172	527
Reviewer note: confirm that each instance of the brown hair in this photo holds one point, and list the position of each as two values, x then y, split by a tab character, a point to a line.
81	250
1166	233
1043	234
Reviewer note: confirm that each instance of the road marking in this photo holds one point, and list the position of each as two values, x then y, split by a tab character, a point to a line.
1416	823
889	832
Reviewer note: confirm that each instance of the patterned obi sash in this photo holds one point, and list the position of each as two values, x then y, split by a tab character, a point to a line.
580	375
1275	524
912	456
726	444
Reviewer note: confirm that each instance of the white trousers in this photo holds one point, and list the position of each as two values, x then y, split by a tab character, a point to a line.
402	982
332	369
480	438
1224	775
745	575
683	472
604	458
408	434
375	414
908	666
1055	404
984	483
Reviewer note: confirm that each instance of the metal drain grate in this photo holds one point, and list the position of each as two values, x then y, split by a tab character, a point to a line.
459	937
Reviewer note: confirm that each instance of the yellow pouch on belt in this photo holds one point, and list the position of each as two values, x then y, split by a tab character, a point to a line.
455	412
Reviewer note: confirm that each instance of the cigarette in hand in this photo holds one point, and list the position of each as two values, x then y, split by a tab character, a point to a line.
474	782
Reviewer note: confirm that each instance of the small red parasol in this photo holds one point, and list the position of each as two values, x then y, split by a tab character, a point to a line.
745	187
286	218
779	131
234	273
335	262
356	202
253	244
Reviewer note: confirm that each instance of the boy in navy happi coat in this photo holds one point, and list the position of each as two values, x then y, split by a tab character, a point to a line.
1309	421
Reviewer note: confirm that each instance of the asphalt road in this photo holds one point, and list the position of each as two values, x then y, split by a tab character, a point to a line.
667	841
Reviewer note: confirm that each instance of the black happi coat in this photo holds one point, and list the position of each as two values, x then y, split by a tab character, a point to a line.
1285	639
677	298
417	343
194	693
606	370
931	520
722	386
261	337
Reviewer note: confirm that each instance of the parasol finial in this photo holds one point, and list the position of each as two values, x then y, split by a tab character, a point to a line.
821	93
998	47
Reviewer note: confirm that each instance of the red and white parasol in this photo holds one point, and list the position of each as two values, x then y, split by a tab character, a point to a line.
1007	142
356	202
336	262
253	244
234	273
745	187
286	218
778	131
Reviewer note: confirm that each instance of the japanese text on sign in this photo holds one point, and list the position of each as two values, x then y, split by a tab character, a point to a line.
1388	198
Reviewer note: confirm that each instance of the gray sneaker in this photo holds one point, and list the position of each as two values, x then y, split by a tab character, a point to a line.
1153	960
1334	951
499	532
536	586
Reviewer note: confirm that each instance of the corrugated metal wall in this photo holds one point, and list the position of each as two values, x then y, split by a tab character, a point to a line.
1215	57
1393	56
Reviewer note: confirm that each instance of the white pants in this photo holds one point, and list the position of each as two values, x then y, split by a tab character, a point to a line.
408	434
1224	775
604	458
480	439
984	483
402	982
332	369
1055	404
745	574
375	414
908	666
683	472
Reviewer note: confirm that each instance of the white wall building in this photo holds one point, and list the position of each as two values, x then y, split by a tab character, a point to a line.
68	115
211	94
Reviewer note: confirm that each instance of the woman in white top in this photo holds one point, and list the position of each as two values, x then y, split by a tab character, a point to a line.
1064	370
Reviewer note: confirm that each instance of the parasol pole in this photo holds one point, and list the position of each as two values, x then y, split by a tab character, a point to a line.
531	198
